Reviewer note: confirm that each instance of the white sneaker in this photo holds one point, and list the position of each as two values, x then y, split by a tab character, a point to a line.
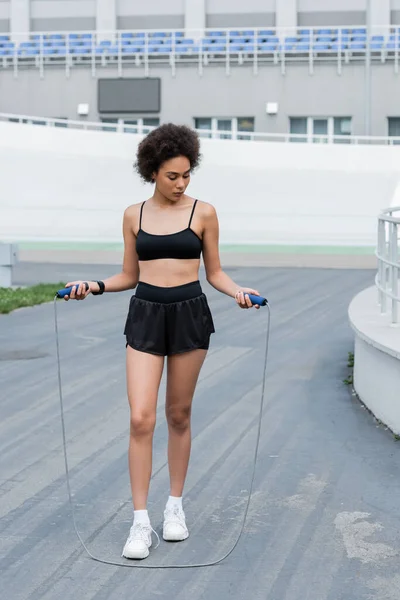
174	528
139	541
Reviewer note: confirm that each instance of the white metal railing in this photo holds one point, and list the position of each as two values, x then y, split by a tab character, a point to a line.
233	46
129	128
387	277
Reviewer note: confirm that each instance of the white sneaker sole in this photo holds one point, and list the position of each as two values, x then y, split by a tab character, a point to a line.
136	555
175	537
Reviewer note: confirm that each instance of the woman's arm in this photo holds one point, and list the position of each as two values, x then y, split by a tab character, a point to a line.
129	276
214	273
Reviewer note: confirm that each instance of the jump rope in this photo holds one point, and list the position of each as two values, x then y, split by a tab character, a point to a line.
258	300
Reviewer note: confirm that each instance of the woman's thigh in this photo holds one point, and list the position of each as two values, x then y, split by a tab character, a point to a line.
182	374
143	376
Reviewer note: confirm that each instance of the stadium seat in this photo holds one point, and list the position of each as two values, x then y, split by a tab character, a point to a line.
268	47
321	47
336	46
303	47
357	46
131	49
376	45
218	48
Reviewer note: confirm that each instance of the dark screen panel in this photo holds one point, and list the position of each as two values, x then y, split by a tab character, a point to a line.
129	95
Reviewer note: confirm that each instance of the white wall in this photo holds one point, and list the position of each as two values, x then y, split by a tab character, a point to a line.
74	185
72	8
155	7
227	6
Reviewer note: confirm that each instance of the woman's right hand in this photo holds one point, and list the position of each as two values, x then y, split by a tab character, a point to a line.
80	292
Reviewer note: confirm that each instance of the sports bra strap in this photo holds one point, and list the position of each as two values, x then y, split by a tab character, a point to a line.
141	212
191	215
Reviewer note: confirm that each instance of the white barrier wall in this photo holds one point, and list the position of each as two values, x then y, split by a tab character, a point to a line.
73	185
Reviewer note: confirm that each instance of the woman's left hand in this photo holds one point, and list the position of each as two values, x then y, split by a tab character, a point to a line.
243	300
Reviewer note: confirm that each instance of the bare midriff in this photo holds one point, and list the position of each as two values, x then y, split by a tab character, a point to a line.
169	272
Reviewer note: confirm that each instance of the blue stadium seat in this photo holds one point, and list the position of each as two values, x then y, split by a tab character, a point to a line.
216	34
4	38
376	45
303	47
360	31
268	48
162	49
111	50
378	38
73	36
130	49
28	51
86	36
182	49
266	33
324	39
336	46
218	48
325	32
235	48
56	36
291	40
125	35
305	32
359	38
105	43
185	42
288	47
80	50
357	46
393	45
321	47
249	47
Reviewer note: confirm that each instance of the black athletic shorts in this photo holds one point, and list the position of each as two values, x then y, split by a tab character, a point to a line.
168	321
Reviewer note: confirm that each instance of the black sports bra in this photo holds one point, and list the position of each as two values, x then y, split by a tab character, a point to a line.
182	244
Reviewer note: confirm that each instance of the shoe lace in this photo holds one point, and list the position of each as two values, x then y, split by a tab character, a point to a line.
174	515
140	531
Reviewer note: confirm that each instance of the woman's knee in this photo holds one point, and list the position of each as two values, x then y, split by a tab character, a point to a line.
142	424
178	417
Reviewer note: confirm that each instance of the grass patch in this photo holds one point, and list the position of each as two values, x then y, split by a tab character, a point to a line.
12	298
350	364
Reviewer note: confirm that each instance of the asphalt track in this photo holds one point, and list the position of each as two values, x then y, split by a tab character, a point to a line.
324	519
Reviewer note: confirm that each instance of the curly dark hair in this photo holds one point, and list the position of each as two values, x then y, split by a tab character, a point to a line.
166	142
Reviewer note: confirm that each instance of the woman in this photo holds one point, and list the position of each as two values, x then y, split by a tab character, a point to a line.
168	316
